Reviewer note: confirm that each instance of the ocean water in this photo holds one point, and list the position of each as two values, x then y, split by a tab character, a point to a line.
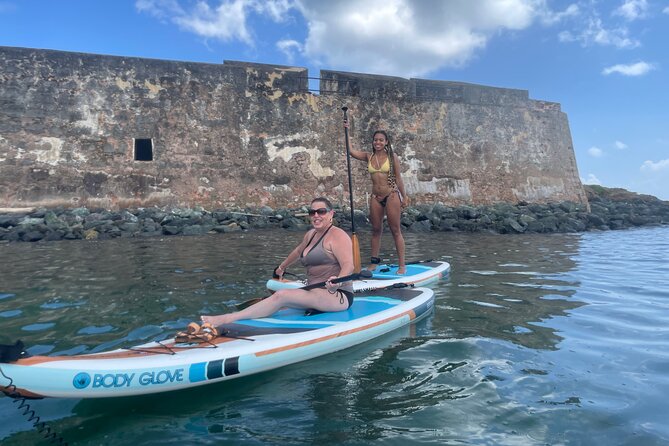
535	339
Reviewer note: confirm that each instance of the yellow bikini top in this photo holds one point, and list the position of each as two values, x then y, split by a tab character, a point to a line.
385	167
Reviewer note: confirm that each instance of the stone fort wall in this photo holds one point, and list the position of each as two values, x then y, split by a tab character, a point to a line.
91	130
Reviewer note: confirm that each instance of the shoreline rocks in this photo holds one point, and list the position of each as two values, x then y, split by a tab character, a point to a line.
610	209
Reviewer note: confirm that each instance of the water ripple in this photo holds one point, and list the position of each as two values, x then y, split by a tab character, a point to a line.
38	327
535	339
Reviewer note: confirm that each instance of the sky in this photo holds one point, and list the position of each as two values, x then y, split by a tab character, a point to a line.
604	61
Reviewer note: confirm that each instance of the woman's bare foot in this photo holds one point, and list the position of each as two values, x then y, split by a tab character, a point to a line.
216	320
402	270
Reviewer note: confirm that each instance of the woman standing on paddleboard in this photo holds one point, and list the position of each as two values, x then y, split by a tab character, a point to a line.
326	251
388	195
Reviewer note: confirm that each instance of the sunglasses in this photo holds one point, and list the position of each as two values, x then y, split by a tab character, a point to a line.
319	211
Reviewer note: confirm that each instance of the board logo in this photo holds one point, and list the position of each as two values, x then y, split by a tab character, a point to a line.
81	380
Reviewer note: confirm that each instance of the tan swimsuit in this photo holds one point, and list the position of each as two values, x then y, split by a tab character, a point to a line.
321	265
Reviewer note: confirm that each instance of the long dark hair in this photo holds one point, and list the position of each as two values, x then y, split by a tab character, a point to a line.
392	179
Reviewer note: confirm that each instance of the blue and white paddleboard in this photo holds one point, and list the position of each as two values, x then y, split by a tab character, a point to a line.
247	347
417	274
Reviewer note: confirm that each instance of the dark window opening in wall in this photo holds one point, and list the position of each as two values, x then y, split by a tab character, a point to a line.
143	149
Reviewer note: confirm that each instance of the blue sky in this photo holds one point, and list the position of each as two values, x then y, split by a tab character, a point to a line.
605	62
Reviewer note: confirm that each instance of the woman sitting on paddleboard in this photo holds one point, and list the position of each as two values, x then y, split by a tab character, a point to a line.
327	253
388	195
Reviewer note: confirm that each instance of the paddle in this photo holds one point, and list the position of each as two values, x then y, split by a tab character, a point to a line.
285	273
364	274
357	264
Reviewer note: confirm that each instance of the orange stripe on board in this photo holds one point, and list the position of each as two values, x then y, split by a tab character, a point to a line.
129	353
23	392
410	313
426	278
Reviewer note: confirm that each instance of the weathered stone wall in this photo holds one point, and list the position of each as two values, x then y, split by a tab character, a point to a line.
251	134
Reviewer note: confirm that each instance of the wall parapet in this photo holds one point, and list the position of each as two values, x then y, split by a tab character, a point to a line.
286	78
371	86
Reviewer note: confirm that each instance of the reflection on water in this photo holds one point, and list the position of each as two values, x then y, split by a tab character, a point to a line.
505	287
100	295
535	339
75	297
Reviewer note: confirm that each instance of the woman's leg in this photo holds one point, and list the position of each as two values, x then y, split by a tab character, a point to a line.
376	218
318	299
394	213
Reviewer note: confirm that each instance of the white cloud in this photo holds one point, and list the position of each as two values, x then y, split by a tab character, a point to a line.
404	37
595	33
226	22
650	166
635	69
620	145
276	9
595	152
592	179
549	17
398	37
666	10
632	9
162	9
289	48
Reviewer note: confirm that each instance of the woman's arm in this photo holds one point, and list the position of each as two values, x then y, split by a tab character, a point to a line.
342	248
399	181
357	154
293	256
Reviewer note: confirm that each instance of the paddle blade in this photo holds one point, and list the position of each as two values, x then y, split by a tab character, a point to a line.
357	264
365	274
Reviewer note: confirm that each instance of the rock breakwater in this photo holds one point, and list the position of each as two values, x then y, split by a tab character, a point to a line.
610	209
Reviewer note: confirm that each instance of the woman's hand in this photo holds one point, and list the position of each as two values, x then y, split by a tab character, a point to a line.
405	201
279	272
332	287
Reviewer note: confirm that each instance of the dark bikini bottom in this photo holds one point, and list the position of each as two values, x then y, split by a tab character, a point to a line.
384	201
349	297
342	293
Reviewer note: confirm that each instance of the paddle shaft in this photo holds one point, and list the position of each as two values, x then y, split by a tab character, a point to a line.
357	264
364	274
354	276
348	166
